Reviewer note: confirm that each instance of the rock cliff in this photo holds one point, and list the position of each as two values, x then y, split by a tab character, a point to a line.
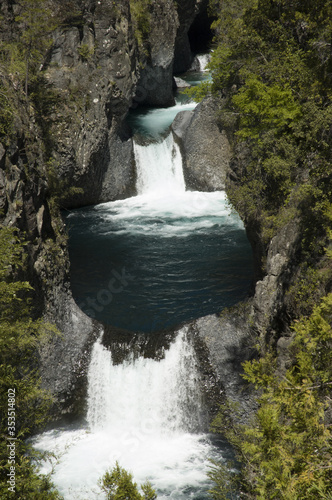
94	67
204	146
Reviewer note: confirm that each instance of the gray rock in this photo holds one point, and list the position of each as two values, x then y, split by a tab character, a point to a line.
269	293
228	344
205	148
181	123
155	83
179	83
91	146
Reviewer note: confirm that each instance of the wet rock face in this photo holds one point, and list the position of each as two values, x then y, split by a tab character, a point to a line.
205	148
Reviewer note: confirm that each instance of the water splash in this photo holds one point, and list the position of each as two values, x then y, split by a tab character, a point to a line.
203	60
142	413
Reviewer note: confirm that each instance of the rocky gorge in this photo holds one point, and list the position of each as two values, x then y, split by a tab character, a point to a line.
68	145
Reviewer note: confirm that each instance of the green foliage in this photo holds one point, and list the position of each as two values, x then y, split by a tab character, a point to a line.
198	92
20	336
286	452
85	51
37	22
119	485
6	113
271	68
264	106
226	482
141	21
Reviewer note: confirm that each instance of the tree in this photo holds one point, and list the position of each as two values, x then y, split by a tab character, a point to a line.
37	22
286	452
119	485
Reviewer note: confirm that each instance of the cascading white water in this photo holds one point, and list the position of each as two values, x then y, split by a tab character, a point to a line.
203	60
140	414
143	392
159	168
200	63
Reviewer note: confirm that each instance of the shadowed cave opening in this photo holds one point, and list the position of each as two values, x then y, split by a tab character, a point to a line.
200	33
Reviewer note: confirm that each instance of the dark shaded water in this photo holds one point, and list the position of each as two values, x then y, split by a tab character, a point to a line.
144	266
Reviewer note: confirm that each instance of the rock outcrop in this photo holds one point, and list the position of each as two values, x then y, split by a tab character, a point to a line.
205	148
94	67
223	342
155	83
24	202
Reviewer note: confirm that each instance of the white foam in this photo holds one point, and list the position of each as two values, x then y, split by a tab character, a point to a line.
169	214
140	413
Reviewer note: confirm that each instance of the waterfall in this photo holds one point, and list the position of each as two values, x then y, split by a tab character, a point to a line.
200	62
146	415
203	60
164	395
159	168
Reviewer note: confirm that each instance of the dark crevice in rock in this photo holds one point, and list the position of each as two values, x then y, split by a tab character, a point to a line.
200	34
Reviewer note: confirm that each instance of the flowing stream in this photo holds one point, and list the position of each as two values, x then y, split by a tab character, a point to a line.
154	260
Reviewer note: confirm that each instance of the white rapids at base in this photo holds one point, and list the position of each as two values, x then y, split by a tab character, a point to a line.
140	414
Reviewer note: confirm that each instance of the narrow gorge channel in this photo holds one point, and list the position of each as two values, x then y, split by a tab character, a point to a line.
146	264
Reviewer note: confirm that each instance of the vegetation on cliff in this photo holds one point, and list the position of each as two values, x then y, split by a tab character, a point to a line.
26	102
272	73
24	404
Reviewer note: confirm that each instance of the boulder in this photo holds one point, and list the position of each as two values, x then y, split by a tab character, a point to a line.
205	148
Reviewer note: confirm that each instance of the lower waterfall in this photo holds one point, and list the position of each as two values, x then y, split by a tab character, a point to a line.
145	414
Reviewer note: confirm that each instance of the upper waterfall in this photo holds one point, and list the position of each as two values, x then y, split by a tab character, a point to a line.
159	168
